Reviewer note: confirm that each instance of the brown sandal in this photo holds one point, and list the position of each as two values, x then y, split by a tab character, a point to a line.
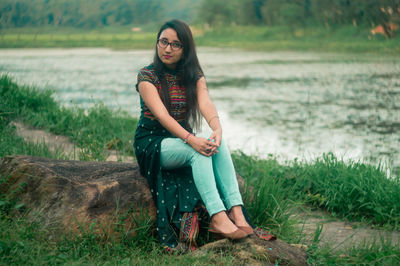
236	235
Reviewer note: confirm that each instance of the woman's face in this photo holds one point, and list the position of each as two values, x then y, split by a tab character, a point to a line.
169	48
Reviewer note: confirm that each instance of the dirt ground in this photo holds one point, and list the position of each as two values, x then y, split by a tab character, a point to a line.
339	234
61	143
336	233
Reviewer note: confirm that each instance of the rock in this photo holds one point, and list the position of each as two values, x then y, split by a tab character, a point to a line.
254	251
69	195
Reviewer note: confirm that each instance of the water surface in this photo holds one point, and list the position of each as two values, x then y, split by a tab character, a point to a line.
289	104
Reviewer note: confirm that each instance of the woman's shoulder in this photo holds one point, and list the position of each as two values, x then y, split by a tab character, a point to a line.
148	69
147	73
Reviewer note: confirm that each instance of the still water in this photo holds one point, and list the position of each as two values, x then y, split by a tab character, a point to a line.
288	104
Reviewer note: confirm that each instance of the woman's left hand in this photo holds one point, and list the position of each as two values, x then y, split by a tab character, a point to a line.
216	137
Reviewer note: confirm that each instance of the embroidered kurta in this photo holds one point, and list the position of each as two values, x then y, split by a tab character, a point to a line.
173	191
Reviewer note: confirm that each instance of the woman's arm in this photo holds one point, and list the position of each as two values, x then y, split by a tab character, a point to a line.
152	99
208	110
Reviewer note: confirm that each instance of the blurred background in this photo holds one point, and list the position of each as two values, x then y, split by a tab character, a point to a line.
91	14
292	78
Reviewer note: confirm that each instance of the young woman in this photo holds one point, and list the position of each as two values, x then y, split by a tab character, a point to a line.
182	168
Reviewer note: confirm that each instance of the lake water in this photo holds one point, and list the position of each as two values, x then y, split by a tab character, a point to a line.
289	104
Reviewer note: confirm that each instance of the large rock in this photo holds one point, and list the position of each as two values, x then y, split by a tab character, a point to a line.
69	195
254	251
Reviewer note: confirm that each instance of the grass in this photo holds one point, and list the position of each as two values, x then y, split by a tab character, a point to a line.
93	130
344	39
352	190
376	252
25	242
341	39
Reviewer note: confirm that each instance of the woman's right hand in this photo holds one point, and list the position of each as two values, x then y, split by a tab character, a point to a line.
202	145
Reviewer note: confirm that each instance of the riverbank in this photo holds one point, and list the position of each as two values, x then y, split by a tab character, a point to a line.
343	189
345	39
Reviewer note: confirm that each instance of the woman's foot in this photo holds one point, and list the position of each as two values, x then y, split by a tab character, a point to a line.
237	217
223	226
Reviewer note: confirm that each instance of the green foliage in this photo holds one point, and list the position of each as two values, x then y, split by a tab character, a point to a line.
12	144
299	13
90	129
293	13
350	189
91	13
16	101
345	38
67	37
24	241
376	252
265	196
356	191
9	201
277	38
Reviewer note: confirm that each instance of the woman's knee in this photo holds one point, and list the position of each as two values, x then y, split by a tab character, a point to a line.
198	158
175	154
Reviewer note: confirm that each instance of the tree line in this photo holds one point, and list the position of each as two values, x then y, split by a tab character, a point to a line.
90	13
297	13
300	12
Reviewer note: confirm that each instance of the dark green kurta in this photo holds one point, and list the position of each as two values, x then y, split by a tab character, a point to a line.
173	191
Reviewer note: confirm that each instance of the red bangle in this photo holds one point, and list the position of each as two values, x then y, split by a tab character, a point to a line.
185	140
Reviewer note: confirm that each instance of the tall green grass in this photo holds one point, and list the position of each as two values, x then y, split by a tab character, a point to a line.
93	130
265	195
352	190
375	252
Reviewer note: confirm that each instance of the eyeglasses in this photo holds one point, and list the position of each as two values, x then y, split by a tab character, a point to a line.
163	43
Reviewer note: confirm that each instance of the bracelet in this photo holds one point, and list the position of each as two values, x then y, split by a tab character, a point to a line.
185	140
215	116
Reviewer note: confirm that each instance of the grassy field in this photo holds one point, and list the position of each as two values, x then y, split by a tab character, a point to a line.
92	129
351	190
343	39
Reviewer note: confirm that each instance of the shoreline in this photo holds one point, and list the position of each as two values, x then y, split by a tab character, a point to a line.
254	38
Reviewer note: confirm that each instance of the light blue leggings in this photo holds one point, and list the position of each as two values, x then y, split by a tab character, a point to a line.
214	176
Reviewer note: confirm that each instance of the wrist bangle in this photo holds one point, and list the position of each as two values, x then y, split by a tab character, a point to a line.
185	140
215	116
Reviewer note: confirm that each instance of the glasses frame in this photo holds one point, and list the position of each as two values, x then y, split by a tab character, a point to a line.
171	44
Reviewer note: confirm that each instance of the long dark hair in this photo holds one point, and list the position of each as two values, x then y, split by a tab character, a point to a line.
188	68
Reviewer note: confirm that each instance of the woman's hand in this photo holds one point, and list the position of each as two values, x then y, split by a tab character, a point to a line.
216	137
203	146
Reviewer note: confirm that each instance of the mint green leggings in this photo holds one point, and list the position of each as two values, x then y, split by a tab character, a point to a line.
214	176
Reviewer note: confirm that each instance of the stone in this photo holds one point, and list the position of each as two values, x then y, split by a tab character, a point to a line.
255	251
70	194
